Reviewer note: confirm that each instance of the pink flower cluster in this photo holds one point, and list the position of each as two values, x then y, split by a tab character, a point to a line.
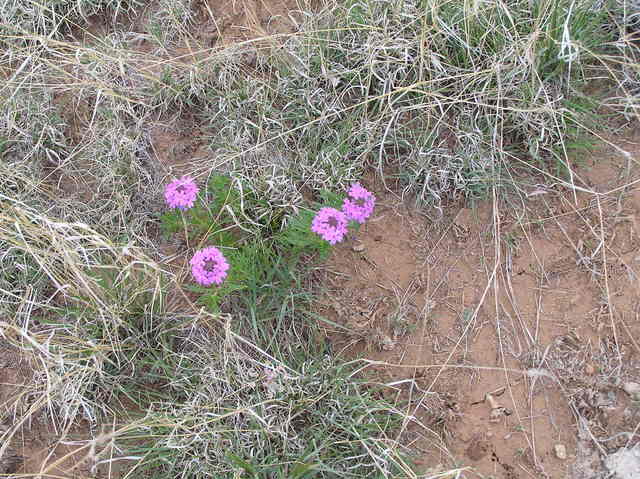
181	193
209	266
359	203
331	224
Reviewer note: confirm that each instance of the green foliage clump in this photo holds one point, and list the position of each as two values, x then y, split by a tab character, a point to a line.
260	254
252	416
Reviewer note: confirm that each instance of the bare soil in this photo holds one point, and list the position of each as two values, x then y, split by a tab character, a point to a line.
216	23
507	327
243	20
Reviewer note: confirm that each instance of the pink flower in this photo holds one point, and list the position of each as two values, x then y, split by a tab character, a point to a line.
209	266
359	203
330	224
181	193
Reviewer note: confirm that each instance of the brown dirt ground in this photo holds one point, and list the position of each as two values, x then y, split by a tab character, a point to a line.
247	19
216	23
544	320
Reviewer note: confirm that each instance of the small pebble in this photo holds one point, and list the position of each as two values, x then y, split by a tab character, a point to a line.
632	389
561	451
359	248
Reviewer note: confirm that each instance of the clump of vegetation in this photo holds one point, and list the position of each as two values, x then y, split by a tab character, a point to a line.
453	94
455	98
24	19
247	413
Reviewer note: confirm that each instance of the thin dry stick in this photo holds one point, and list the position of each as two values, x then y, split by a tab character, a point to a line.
606	282
498	261
632	435
593	231
471	321
464	333
512	300
629	333
425	313
532	372
564	150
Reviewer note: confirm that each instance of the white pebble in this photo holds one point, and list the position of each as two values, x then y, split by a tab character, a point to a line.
561	451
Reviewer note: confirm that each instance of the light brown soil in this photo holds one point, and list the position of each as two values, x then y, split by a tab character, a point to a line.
520	300
216	22
246	19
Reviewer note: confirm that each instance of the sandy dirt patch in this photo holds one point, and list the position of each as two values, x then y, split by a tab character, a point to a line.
509	327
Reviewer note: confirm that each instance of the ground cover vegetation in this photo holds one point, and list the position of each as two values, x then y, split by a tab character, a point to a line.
448	99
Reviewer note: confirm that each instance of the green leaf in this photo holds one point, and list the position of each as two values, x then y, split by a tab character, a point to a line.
241	463
302	470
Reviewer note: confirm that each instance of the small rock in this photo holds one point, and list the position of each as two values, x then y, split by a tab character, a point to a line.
561	451
359	248
384	341
624	463
632	389
387	343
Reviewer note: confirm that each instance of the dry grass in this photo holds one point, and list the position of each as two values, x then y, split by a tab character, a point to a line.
456	99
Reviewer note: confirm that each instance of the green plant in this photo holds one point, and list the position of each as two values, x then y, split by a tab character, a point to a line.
259	254
451	98
253	415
